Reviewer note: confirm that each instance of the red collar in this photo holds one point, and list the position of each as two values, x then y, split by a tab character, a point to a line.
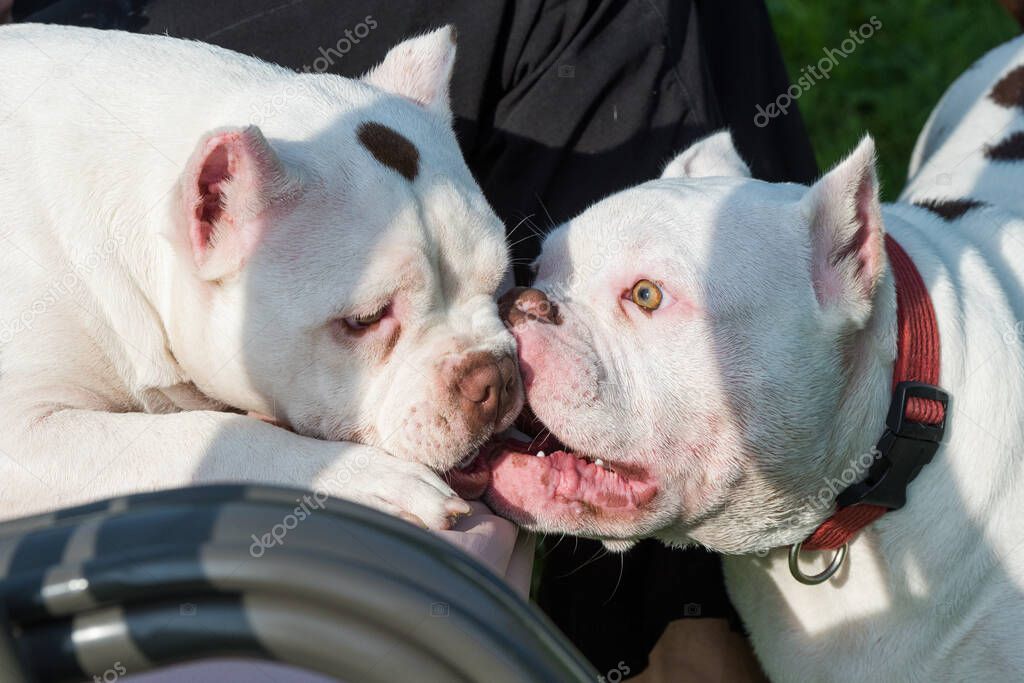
916	419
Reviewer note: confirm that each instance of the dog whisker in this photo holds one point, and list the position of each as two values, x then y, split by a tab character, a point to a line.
524	221
618	581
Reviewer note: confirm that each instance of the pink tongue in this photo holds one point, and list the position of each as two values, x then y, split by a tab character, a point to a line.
471	482
562	484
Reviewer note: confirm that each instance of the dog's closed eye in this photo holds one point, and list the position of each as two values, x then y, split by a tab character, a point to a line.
374	334
380	321
362	322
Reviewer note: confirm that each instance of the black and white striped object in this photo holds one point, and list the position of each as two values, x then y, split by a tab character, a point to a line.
138	583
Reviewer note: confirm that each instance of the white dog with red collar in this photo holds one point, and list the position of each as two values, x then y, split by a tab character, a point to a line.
716	357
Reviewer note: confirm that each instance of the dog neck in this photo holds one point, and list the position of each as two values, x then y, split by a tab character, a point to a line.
916	410
860	419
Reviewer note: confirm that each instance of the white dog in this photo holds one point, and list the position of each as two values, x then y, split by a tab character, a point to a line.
716	354
165	263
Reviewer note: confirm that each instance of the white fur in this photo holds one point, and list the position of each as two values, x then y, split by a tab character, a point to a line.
770	384
122	349
714	156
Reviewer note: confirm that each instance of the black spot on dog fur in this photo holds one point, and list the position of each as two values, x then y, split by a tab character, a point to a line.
1008	149
949	209
390	148
1009	91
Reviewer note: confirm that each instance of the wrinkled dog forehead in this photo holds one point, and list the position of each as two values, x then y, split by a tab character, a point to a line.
381	163
400	208
435	205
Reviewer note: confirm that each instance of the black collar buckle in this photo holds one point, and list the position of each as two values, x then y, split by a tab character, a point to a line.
903	450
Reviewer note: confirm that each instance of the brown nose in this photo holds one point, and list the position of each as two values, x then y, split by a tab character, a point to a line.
488	387
521	304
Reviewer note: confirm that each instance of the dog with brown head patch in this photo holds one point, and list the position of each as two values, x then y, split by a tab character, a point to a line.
333	266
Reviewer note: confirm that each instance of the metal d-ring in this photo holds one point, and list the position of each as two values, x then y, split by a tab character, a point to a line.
815	579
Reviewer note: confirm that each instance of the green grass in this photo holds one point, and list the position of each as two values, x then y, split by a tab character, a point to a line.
889	84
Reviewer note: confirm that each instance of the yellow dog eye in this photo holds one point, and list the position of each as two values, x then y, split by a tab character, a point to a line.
646	295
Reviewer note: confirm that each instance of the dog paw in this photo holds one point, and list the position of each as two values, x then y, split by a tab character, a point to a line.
407	490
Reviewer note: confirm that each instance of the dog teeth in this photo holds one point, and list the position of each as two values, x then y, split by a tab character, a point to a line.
541	454
599	462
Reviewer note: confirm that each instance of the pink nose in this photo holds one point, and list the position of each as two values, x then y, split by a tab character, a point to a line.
488	387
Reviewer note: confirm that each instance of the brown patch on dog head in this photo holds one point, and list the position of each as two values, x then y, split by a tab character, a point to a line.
949	209
1009	91
390	148
1008	149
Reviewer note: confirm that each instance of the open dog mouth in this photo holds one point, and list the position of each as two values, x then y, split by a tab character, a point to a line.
541	479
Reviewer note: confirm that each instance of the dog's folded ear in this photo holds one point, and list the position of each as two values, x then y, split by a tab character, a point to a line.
712	156
847	235
233	182
419	69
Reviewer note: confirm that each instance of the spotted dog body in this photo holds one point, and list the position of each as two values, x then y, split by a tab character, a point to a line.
970	151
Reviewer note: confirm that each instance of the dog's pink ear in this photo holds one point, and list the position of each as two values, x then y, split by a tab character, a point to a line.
714	155
847	235
419	69
234	180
